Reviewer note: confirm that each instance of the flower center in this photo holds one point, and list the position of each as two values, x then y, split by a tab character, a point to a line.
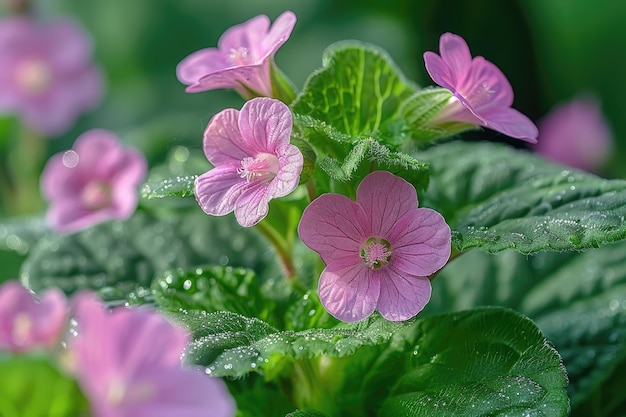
263	166
96	195
22	326
480	95
376	252
34	77
240	56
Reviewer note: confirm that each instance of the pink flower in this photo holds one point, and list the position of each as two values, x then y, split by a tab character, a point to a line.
241	60
95	181
378	251
127	363
27	324
254	161
575	134
47	75
482	94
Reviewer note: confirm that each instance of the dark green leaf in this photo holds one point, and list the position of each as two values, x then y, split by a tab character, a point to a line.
306	413
484	362
576	299
20	234
122	258
497	198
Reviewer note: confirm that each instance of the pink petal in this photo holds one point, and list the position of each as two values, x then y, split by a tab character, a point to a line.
348	289
223	143
265	124
385	198
77	48
246	35
253	204
334	226
199	64
218	190
70	215
512	123
279	32
420	242
185	392
249	80
456	54
290	160
439	70
46	318
486	87
402	296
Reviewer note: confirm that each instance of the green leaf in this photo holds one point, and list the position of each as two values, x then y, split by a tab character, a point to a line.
122	258
32	386
229	344
488	361
170	187
370	151
306	413
498	198
357	90
211	289
576	299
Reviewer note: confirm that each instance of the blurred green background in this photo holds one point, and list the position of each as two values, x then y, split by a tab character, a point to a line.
551	51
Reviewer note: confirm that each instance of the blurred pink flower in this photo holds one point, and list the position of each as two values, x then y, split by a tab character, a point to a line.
25	322
128	364
482	94
46	73
575	134
95	181
241	60
379	250
253	159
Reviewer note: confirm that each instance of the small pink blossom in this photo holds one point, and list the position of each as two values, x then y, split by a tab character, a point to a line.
242	59
128	364
95	181
575	134
47	75
379	250
482	94
253	159
27	323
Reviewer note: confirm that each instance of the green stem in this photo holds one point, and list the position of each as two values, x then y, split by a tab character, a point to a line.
281	247
25	163
453	255
310	188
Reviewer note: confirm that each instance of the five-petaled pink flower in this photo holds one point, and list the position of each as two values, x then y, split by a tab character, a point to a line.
46	73
379	250
128	364
252	158
242	60
27	324
482	94
576	134
95	181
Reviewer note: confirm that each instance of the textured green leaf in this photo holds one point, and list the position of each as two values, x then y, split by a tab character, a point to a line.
578	300
228	344
497	198
306	413
484	362
122	258
170	187
357	90
31	386
369	151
